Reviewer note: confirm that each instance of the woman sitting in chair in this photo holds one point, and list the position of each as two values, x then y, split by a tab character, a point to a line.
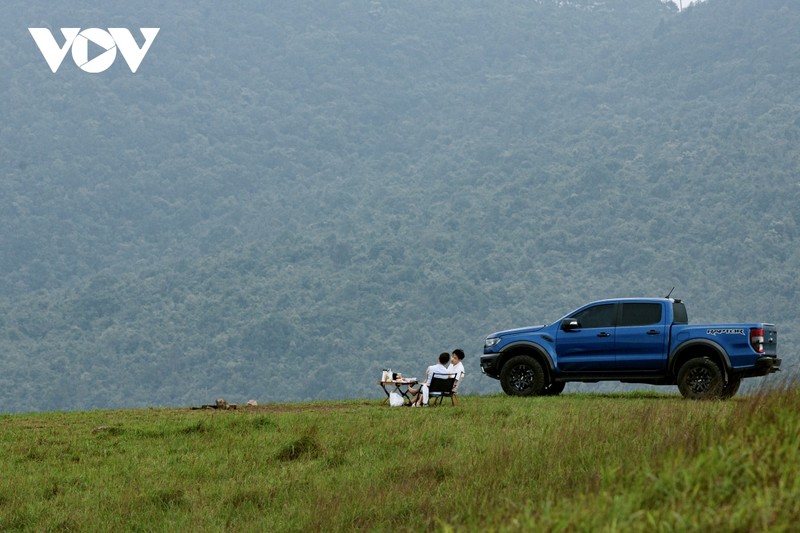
419	395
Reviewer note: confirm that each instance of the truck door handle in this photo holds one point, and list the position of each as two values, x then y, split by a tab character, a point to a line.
604	334
653	332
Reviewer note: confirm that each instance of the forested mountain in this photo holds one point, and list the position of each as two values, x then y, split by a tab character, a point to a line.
287	197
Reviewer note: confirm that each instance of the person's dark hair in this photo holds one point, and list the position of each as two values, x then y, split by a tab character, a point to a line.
444	357
458	352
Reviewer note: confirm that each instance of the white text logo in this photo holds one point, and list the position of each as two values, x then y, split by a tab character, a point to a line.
109	41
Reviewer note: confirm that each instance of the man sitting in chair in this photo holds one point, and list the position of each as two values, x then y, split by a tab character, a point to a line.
420	394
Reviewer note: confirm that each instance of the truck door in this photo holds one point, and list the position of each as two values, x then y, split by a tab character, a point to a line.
590	346
641	337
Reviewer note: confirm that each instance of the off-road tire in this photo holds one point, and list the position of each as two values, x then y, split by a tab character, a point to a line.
701	379
522	376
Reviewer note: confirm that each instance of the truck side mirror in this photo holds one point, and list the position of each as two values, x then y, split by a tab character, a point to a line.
568	324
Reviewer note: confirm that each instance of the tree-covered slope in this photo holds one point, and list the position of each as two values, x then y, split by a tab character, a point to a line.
285	199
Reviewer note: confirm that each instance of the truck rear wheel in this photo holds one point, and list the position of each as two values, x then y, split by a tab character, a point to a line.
701	379
522	376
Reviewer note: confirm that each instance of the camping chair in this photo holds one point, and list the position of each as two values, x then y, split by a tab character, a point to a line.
441	386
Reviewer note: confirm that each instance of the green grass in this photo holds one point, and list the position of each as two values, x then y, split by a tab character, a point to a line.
625	462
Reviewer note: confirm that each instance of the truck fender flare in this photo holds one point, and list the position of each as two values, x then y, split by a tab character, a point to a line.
704	343
528	345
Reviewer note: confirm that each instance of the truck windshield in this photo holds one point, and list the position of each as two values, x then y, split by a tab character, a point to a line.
679	315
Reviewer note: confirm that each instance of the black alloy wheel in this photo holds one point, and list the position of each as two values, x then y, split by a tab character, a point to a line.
522	376
701	379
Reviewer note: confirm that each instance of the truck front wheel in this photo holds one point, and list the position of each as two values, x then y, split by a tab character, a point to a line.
522	376
701	379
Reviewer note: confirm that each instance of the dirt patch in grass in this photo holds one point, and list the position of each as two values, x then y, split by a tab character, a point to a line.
290	408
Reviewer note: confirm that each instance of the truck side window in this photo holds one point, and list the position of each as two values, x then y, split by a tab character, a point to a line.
679	315
598	316
640	314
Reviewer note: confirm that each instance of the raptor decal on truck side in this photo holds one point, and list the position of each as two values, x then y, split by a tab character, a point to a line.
715	332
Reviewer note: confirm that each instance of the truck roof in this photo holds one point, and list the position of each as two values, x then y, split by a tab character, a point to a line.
641	299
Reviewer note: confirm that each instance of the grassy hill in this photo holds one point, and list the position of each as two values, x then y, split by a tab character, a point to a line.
624	462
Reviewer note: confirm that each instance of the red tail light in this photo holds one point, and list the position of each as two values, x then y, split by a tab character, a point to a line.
757	339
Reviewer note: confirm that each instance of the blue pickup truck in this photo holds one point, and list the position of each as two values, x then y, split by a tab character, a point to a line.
632	340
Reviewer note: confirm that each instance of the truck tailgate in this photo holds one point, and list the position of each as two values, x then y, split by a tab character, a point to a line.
770	340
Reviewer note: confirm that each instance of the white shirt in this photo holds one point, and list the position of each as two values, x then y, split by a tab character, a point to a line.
458	370
438	368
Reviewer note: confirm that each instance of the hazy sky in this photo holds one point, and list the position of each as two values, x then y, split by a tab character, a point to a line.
683	4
